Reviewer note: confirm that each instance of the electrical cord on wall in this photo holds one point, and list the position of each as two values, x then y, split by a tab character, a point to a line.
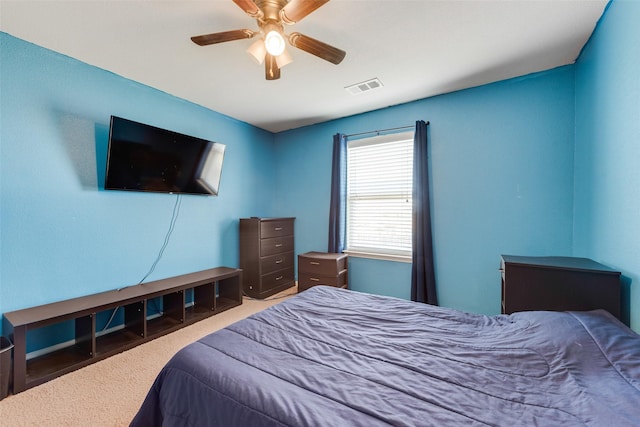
167	237
172	224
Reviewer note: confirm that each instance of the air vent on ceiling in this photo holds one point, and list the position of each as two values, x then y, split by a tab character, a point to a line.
364	86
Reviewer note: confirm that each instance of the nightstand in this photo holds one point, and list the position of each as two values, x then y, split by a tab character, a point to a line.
322	268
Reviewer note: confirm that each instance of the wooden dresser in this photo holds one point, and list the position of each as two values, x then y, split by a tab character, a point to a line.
266	255
558	284
321	268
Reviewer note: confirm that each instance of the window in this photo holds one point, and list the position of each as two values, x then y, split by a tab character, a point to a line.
379	193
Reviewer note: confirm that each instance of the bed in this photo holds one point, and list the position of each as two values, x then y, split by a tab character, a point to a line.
334	357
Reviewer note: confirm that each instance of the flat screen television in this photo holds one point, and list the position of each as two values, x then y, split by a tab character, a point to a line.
146	158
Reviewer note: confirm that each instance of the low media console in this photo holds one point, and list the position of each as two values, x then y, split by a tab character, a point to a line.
184	300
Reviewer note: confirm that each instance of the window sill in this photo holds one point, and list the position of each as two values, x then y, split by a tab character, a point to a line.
384	257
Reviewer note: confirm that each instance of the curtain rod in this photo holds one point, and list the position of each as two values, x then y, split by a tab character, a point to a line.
382	130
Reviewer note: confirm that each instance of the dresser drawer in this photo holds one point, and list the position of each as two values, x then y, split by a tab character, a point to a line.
306	280
276	245
277	278
276	262
325	264
276	228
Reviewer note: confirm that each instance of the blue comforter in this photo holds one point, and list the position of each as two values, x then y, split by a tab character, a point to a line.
333	357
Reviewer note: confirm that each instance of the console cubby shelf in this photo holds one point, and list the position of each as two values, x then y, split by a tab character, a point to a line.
184	300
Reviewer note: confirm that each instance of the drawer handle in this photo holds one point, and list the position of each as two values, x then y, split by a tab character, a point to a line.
278	229
279	261
278	245
313	279
279	278
314	263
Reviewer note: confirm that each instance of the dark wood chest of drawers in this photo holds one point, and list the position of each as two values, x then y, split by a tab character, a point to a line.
321	268
558	284
266	255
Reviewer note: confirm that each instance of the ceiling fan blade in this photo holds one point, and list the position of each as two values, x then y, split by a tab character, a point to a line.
272	72
225	36
250	8
317	48
295	10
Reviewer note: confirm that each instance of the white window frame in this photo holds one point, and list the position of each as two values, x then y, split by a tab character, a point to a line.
404	173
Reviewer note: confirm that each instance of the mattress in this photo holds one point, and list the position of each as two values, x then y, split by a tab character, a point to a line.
334	357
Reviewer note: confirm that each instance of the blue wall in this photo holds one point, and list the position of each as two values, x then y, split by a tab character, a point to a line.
607	189
502	166
63	235
502	175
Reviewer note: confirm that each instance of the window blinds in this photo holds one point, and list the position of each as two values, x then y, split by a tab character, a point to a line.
379	188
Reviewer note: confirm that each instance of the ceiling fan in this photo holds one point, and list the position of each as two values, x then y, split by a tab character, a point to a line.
271	16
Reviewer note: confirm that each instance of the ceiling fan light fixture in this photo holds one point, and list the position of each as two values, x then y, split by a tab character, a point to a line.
284	58
274	43
258	51
271	48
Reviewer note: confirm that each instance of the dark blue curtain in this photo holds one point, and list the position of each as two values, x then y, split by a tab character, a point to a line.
338	208
423	278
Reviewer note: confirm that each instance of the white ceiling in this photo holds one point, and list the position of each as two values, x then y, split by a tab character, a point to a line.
416	48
